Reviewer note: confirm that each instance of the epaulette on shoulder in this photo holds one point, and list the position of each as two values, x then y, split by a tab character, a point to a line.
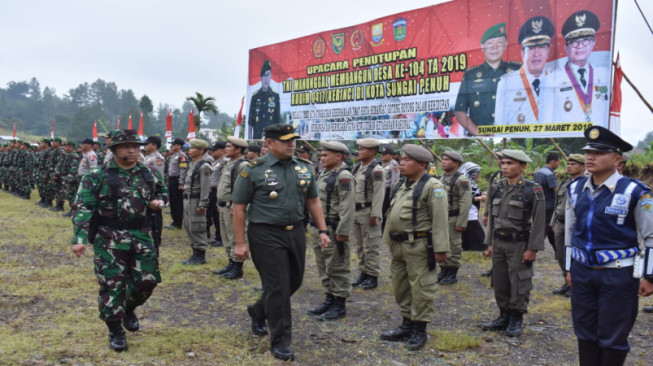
253	164
473	68
640	184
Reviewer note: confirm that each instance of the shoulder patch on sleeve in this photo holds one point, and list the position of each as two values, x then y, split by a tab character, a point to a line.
539	192
345	184
464	185
183	165
244	174
438	192
378	176
159	162
646	202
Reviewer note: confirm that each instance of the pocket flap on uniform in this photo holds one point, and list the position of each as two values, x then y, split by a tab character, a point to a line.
429	279
519	204
525	274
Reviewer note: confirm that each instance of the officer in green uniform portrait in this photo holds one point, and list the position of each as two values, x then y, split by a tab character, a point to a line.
278	187
477	93
264	108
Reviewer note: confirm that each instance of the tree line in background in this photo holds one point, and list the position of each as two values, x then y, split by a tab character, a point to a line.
32	109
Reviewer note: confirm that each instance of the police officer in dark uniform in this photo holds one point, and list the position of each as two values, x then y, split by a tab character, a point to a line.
478	89
264	108
277	187
605	214
177	168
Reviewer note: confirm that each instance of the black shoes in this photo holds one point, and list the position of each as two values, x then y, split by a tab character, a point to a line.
564	290
418	336
172	226
198	257
117	339
68	214
319	310
369	283
449	277
235	272
130	321
338	310
399	334
215	243
514	328
224	269
259	327
359	280
283	353
487	273
499	323
648	309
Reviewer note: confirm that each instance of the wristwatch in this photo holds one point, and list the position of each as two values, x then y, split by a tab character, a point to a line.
649	278
324	232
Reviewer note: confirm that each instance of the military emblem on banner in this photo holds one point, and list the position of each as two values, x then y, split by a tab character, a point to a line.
377	34
337	42
319	46
356	40
400	29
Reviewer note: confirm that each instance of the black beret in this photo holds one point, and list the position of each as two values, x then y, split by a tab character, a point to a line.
218	146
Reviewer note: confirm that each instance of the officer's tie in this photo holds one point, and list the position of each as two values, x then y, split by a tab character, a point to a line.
536	86
581	71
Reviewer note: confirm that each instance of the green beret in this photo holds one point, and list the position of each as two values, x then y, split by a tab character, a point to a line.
418	153
517	155
454	156
369	142
265	67
27	143
46	140
57	139
497	30
70	143
199	144
579	158
335	146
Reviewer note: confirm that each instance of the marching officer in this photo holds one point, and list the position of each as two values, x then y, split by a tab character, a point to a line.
370	189
459	196
606	212
417	234
196	199
111	213
335	186
278	188
515	235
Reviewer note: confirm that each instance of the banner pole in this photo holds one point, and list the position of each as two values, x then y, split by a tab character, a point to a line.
487	148
555	144
431	151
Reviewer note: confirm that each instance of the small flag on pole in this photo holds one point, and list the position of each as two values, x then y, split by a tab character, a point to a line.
129	123
95	131
52	130
14	134
169	125
615	105
140	127
118	124
191	126
239	121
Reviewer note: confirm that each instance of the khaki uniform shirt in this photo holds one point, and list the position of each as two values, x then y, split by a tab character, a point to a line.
199	184
460	198
227	180
341	203
375	189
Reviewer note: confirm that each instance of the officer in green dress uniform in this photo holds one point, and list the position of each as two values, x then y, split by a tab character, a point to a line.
264	108
417	233
278	187
515	234
477	93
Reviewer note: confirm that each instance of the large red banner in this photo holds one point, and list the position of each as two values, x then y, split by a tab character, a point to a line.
515	68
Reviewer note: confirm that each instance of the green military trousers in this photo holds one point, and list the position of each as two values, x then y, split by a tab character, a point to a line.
512	279
455	258
195	225
332	266
367	240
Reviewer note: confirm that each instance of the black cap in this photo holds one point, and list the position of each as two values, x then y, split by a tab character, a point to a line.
156	140
218	146
254	148
178	141
87	141
305	149
387	150
601	139
536	31
281	131
580	24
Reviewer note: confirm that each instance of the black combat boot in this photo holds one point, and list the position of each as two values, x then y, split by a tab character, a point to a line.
215	243
514	328
562	291
612	357
224	269
46	204
235	273
319	310
499	323
359	280
370	283
130	321
648	309
68	214
589	353
58	207
418	336
401	333
198	257
443	273
117	340
337	310
38	203
450	278
487	273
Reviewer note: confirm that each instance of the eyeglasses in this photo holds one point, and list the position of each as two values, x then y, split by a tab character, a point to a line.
580	42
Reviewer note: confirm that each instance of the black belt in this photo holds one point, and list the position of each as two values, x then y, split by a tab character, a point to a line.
222	203
174	177
511	235
560	220
395	236
134	224
454	213
192	195
360	206
290	227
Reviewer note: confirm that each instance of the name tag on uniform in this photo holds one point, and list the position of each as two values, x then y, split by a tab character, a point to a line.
619	205
522	99
304	175
566	89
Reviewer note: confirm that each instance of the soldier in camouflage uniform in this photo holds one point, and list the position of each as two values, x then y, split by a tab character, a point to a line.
25	167
54	167
113	201
3	149
43	154
70	179
12	172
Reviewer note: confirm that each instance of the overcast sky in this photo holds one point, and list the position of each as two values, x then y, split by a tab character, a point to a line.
168	49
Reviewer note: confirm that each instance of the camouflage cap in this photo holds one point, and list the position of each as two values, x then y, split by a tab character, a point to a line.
418	153
516	155
579	158
497	30
119	137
